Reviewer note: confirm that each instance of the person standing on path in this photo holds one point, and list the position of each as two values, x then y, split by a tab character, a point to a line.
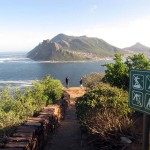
67	82
81	83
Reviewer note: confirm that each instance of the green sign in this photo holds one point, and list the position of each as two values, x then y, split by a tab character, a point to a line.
139	90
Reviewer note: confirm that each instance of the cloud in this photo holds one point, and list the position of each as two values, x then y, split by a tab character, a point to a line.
93	8
20	41
123	34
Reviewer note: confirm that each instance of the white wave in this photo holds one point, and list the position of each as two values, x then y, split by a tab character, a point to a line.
18	83
25	85
28	60
8	59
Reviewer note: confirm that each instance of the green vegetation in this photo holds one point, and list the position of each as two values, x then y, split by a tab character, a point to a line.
103	98
117	73
103	111
16	106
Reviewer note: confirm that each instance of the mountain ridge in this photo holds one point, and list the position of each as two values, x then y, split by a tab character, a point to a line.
138	48
74	48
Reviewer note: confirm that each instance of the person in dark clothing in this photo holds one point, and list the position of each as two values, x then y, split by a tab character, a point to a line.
67	82
81	83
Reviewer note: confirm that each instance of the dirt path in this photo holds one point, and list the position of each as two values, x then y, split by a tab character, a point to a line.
68	136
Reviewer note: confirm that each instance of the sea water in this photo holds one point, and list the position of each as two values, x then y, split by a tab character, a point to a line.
19	71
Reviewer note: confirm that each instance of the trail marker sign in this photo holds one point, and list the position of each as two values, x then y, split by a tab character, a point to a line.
139	90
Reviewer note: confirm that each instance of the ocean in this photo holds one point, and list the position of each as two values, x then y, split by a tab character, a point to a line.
19	71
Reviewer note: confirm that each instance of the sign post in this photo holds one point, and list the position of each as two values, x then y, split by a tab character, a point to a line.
139	99
145	132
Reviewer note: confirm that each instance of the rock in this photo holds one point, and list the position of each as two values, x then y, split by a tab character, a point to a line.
125	140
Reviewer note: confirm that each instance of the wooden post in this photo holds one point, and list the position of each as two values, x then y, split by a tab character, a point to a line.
145	132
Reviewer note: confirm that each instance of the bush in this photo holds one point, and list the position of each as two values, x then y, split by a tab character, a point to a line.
104	110
92	80
16	106
52	88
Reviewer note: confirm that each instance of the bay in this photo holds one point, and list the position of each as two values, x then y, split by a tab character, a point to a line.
17	70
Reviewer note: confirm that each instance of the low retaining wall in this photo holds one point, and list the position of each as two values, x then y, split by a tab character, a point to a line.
34	133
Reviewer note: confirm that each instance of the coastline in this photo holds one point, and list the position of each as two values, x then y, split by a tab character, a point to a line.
81	61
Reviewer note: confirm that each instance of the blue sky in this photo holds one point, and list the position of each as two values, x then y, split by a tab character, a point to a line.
23	24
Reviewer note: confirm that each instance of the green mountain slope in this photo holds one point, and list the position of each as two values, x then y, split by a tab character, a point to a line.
71	48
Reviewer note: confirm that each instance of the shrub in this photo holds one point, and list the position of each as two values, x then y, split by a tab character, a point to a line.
52	88
17	105
104	110
92	80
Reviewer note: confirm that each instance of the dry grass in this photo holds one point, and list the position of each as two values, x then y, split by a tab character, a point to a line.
106	124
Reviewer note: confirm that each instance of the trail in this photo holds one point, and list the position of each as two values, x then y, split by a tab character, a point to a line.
68	135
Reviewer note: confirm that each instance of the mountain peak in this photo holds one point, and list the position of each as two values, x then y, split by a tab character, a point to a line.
138	48
60	37
138	44
64	37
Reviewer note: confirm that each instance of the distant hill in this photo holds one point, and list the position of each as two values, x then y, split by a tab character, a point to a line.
138	48
72	48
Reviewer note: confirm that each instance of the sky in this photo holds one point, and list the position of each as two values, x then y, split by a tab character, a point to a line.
26	23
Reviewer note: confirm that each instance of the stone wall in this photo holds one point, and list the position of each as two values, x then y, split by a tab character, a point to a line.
34	133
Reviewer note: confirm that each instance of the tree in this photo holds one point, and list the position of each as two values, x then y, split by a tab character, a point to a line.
137	61
117	73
